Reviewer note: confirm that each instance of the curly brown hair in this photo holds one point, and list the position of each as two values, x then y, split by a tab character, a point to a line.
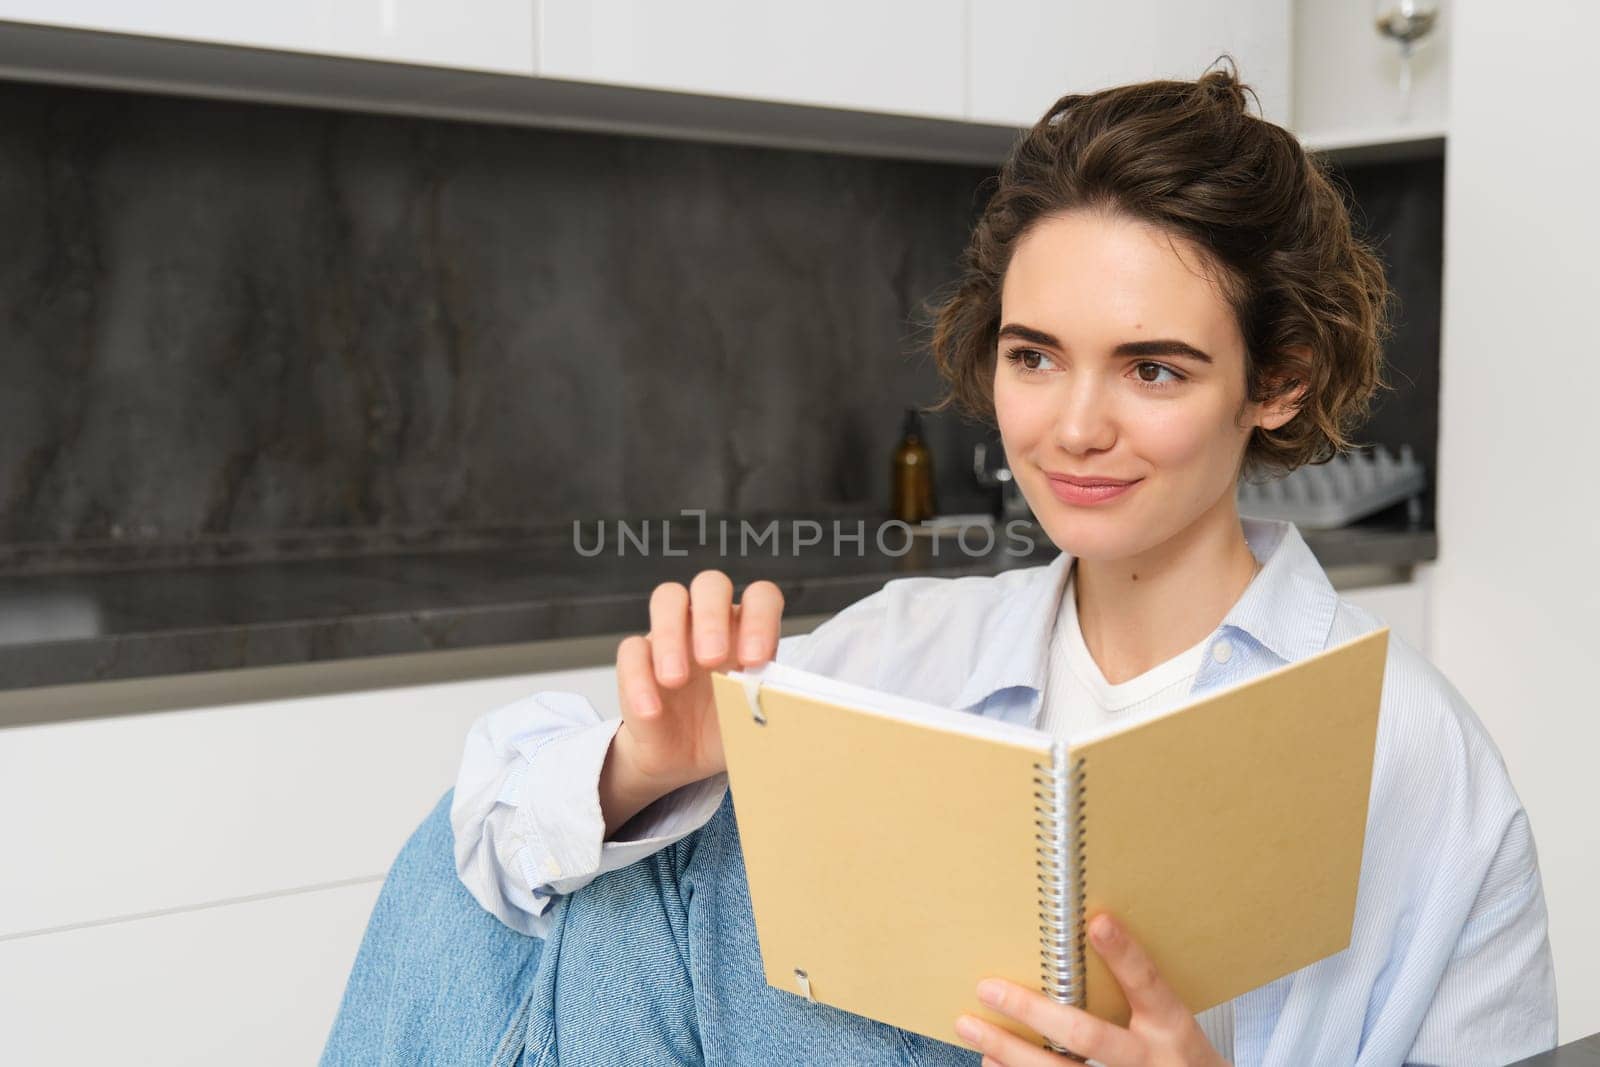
1189	158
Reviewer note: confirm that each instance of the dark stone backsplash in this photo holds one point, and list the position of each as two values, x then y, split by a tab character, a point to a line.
227	319
237	321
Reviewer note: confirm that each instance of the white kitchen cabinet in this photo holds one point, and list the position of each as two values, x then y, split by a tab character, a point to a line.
202	877
898	56
1347	78
250	984
288	24
492	35
222	803
939	80
1025	54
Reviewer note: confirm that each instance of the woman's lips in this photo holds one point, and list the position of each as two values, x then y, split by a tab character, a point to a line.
1087	493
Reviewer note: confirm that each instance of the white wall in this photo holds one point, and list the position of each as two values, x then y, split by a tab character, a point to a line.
1516	585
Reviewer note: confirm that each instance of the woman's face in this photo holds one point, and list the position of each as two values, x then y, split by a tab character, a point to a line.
1120	359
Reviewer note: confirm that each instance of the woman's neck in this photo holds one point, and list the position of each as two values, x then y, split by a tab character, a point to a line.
1139	612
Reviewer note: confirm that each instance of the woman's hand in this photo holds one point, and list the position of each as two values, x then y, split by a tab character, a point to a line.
1160	1033
669	735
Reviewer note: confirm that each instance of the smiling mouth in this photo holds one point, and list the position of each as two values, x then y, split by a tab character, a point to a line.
1088	494
1091	483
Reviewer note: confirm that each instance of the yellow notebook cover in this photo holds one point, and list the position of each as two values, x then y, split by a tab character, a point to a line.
894	848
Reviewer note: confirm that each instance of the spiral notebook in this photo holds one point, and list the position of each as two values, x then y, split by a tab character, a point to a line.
899	852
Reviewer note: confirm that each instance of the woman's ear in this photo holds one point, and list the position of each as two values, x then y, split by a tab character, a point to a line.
1291	394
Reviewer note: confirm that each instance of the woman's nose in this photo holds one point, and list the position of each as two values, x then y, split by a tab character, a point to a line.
1085	422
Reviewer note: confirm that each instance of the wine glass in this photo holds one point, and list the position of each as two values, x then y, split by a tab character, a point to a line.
1407	22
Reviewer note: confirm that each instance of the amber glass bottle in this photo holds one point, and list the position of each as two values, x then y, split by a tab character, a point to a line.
912	477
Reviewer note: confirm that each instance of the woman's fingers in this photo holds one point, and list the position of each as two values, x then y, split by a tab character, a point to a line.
700	627
669	633
1066	1026
1148	993
710	617
760	615
999	1045
1157	1011
636	682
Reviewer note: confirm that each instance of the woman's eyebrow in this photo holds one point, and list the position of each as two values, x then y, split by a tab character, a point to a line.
1028	333
1158	347
1161	347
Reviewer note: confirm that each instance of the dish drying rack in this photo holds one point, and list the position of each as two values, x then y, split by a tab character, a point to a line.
1348	487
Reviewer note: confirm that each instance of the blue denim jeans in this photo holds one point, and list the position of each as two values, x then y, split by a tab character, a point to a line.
653	964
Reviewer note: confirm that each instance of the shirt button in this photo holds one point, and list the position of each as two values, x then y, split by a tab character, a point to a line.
1222	651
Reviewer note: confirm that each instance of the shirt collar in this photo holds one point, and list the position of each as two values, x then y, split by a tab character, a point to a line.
1288	608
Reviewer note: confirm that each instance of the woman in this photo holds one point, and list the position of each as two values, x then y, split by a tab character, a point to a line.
1163	295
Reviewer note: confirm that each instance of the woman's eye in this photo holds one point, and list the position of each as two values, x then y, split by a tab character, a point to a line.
1029	359
1143	368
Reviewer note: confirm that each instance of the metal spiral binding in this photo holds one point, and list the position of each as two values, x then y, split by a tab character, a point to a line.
1058	796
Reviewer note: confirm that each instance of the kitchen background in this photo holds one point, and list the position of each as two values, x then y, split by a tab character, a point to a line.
324	321
231	321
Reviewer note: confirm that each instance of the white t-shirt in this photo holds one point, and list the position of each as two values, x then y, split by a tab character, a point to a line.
1077	698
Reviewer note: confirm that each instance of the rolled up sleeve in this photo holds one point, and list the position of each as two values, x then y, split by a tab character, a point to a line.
526	810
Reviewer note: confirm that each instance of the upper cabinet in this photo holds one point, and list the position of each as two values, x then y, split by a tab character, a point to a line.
1024	54
490	35
906	57
1347	77
931	79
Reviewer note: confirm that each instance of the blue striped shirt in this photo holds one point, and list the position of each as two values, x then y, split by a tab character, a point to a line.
1449	960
